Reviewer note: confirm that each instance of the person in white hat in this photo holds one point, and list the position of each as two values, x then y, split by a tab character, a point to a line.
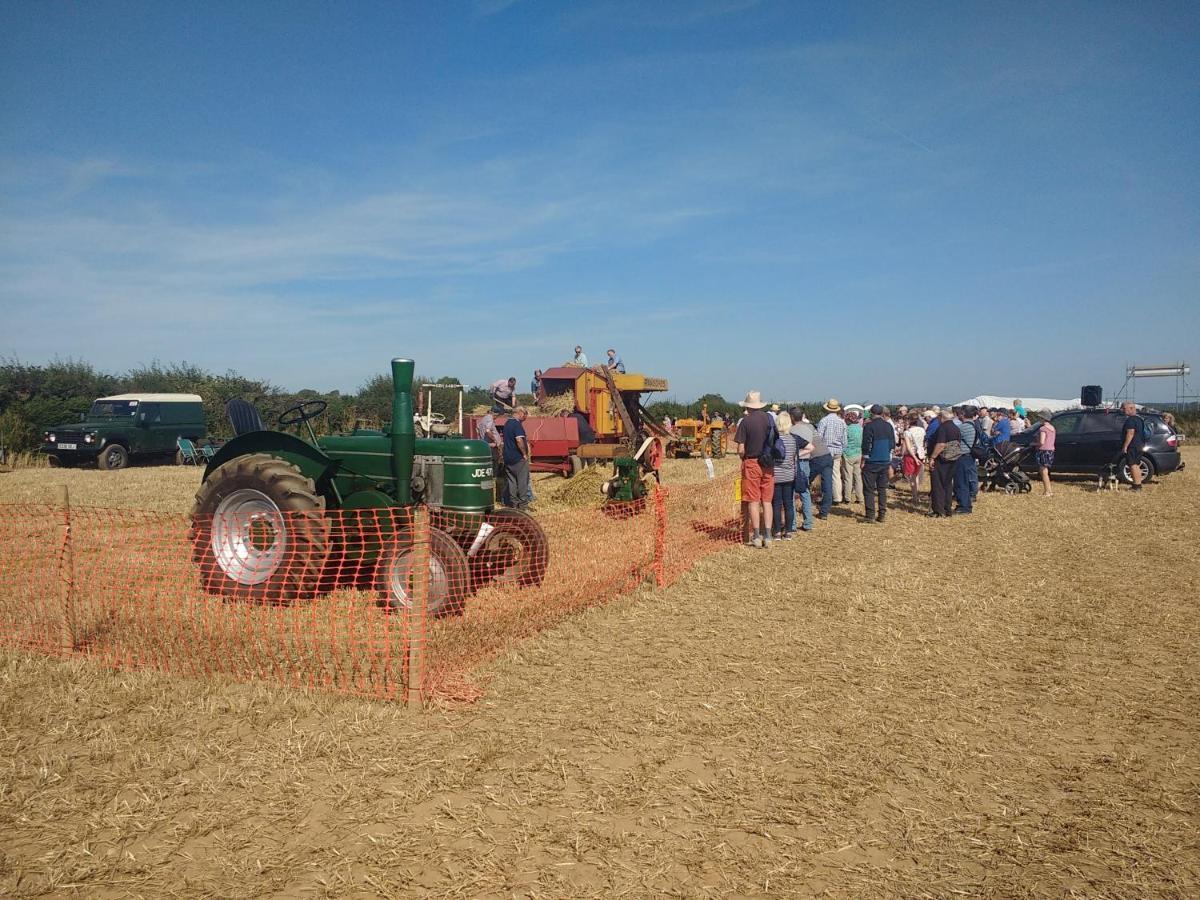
754	437
832	429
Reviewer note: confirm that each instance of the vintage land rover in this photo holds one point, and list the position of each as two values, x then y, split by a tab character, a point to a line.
127	428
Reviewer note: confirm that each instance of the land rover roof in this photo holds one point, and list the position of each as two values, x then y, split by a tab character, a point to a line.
156	398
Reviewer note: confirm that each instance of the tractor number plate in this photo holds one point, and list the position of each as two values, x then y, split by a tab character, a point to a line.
67	446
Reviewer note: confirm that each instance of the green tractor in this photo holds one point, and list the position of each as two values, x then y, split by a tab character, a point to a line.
278	518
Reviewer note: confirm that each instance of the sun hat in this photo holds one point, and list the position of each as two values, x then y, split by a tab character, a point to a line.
832	405
774	407
753	400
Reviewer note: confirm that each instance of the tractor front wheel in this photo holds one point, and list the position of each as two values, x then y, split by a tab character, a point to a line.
515	551
259	531
449	574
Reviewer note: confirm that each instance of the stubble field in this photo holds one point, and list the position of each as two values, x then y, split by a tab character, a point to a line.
1002	704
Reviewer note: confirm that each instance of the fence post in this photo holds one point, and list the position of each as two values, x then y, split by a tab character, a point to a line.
66	573
418	607
660	536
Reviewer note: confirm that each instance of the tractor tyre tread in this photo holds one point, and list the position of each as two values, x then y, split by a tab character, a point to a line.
525	529
309	531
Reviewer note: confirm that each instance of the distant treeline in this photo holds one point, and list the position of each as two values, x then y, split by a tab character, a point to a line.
36	398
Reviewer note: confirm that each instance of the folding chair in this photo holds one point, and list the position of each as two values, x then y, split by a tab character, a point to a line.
188	452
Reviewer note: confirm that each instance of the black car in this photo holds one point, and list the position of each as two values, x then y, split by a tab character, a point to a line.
1089	441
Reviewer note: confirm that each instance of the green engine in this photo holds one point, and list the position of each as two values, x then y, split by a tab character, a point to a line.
279	518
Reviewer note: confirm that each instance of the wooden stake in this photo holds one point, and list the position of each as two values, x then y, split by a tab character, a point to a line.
66	577
417	608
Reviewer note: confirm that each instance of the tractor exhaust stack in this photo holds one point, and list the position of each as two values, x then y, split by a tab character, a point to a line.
404	438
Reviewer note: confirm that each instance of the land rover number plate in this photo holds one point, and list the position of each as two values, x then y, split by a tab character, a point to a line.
67	446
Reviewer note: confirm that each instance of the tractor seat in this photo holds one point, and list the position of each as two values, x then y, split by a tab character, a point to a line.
243	417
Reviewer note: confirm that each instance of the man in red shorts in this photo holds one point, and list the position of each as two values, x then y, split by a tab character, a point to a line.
754	436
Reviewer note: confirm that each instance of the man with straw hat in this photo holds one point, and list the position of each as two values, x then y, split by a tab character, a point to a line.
832	429
754	437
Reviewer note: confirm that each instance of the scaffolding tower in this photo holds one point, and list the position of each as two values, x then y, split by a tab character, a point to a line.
1178	371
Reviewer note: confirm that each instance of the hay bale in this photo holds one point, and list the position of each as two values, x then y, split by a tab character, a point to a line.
584	489
556	404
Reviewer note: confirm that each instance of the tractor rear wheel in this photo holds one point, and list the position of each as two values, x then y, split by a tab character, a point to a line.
515	552
449	574
259	531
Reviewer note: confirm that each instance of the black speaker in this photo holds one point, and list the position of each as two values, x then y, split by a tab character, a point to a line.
1091	395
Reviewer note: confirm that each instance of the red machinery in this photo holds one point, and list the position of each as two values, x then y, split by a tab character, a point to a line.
605	403
553	442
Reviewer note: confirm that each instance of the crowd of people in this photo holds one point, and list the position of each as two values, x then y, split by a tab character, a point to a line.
856	455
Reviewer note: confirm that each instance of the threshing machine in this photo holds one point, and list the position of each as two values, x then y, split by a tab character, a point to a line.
260	528
605	419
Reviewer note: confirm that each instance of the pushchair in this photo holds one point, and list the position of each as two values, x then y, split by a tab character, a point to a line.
1002	471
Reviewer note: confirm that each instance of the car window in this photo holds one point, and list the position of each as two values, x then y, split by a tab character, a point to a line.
1068	424
1101	423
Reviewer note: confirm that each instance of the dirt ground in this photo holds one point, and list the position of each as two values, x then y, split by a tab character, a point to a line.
1004	704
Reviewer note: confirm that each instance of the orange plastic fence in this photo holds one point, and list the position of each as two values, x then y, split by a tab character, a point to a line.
329	601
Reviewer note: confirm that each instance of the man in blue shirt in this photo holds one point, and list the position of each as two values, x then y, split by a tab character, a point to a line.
1001	432
878	441
933	421
516	458
966	470
614	362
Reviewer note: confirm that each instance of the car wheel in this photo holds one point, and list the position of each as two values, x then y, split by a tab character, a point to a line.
114	456
1146	466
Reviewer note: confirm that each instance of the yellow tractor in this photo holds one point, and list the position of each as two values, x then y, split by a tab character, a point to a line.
706	436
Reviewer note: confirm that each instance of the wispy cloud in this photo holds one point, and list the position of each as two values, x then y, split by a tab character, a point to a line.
664	14
484	8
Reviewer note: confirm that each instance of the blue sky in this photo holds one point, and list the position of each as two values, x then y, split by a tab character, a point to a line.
875	201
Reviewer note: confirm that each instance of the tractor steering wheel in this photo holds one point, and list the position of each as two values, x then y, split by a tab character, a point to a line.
302	412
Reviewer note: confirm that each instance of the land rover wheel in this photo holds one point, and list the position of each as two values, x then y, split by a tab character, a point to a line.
449	574
1126	475
259	531
114	456
514	552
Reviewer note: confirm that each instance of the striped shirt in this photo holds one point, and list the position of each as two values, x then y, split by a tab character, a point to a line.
967	429
786	471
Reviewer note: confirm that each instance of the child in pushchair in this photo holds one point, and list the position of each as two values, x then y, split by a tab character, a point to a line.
1002	471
